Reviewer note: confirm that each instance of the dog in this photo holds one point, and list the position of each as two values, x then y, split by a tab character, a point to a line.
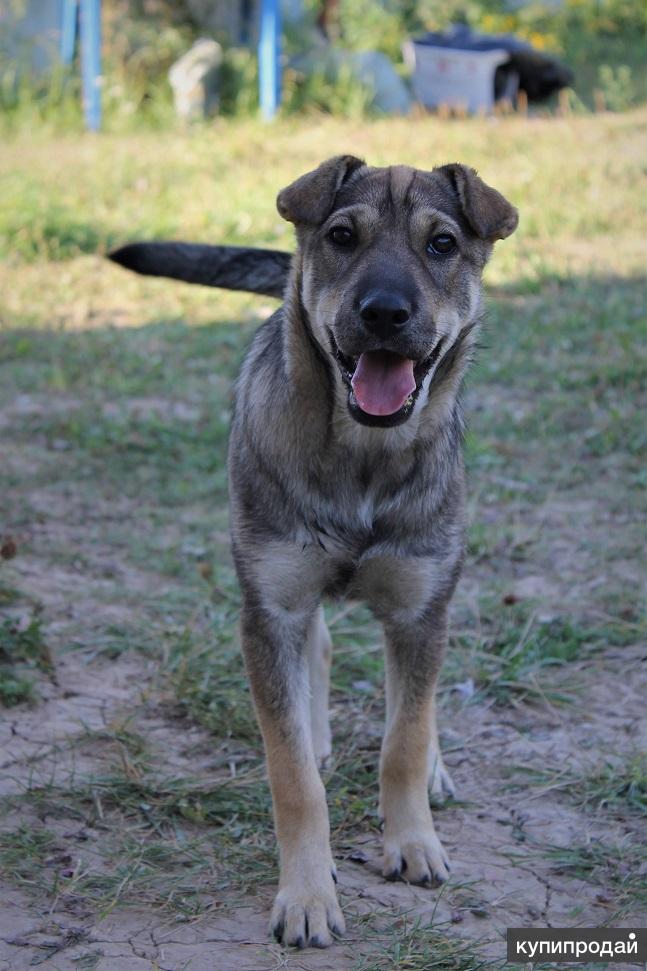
346	478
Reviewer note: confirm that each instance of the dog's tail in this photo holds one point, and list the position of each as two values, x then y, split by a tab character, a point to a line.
230	267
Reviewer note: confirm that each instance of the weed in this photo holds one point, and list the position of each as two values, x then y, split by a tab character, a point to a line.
509	659
621	867
22	647
412	945
617	787
23	851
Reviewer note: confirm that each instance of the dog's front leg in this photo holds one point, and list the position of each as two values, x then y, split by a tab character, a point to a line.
306	911
414	653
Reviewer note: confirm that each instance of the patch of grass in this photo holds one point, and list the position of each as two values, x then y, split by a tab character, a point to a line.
115	640
621	868
410	944
56	234
24	642
24	850
613	788
143	453
358	658
22	647
15	690
205	669
208	679
174	871
130	433
509	657
352	790
617	787
168	841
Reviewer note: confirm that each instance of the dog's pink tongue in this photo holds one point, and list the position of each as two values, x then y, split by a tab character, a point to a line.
382	382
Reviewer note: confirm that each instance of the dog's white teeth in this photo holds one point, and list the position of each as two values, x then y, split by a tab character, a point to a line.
409	401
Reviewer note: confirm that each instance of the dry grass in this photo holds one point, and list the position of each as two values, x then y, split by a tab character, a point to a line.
114	398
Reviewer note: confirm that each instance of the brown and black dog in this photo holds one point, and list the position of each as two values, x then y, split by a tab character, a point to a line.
346	478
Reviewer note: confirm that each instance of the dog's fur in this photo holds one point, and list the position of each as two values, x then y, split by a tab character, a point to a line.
328	499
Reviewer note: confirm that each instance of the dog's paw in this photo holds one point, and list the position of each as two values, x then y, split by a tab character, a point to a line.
415	855
440	782
307	915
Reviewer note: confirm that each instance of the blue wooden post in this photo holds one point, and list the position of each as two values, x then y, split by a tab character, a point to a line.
68	30
269	73
91	61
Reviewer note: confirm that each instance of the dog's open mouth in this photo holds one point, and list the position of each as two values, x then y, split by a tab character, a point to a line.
382	385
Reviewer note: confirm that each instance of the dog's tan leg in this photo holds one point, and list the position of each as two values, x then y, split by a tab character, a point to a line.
306	911
440	781
413	655
319	658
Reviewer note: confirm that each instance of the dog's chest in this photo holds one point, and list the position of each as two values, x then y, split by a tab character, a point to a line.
346	524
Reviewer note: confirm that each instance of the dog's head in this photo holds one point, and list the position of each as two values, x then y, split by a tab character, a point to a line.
391	263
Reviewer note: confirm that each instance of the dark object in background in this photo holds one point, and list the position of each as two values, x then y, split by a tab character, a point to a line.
540	75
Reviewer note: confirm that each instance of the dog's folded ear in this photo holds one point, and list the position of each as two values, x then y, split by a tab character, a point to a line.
489	214
310	199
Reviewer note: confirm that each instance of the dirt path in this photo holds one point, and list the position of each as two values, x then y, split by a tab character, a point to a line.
136	829
503	834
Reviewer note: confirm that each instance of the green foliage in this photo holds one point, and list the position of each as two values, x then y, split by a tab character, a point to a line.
54	231
335	91
51	100
369	26
418	945
617	86
622	866
602	40
22	647
23	851
616	788
508	661
206	672
238	84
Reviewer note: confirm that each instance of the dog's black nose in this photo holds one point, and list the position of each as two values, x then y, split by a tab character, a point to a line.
384	312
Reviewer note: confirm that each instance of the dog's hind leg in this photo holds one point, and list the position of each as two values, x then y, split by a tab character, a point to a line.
319	658
440	781
414	653
306	911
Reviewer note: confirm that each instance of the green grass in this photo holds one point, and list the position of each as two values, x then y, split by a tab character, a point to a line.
615	787
115	394
22	648
172	842
511	656
413	945
618	868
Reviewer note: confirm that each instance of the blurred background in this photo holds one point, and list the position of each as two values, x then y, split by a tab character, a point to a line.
602	42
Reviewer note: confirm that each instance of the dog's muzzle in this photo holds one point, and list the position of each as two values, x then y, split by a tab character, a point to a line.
383	386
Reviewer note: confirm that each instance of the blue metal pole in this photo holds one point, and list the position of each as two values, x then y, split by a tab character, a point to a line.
68	30
91	61
269	72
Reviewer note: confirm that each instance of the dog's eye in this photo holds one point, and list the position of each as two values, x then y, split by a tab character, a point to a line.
341	236
441	244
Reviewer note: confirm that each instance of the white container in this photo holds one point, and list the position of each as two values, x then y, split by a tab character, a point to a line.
460	79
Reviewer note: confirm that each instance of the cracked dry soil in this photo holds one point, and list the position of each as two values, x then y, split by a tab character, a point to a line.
501	832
